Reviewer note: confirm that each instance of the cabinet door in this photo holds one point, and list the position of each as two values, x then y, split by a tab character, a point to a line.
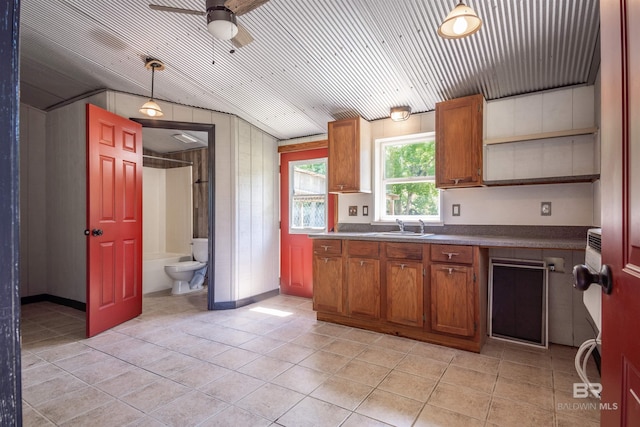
405	296
327	284
452	301
363	289
459	142
344	155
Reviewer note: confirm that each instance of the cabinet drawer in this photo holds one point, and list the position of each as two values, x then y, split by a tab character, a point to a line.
327	247
404	250
357	248
452	253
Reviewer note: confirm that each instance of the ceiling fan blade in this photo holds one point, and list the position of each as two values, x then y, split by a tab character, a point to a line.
176	10
240	7
243	37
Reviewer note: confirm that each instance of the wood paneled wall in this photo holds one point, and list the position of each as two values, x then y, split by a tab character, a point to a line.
200	166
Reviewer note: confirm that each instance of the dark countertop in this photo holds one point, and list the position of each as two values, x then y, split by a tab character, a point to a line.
459	239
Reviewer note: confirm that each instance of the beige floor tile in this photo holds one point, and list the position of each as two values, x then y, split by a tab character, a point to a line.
71	404
325	362
301	379
232	387
202	373
171	364
541	360
207	350
100	371
588	408
566	420
562	351
331	329
390	408
178	341
362	336
63	351
82	360
40	374
476	362
152	396
234	358
381	356
234	416
358	420
311	340
407	385
345	348
31	418
526	373
435	352
189	410
508	413
127	381
563	381
527	393
432	416
51	389
363	372
285	333
492	348
475	380
262	345
422	366
344	393
291	352
312	412
403	345
265	368
114	413
147	421
270	401
461	400
29	360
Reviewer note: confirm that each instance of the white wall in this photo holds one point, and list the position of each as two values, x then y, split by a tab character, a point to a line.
154	214
179	210
33	186
572	204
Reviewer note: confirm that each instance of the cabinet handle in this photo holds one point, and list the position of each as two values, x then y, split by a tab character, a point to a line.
402	266
326	260
341	186
458	180
450	254
362	263
450	270
326	248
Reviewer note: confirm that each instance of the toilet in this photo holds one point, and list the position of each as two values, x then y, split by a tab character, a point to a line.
183	272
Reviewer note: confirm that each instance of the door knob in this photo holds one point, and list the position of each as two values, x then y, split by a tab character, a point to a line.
96	232
583	278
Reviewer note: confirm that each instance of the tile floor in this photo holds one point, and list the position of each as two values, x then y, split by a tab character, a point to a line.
272	363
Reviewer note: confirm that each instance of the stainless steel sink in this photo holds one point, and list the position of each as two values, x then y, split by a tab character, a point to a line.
403	234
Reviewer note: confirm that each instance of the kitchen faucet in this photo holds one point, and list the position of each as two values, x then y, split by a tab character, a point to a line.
421	226
400	224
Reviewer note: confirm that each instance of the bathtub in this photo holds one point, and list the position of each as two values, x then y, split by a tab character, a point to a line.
154	278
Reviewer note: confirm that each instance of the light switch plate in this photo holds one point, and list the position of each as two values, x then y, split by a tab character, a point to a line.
353	211
545	208
365	210
455	210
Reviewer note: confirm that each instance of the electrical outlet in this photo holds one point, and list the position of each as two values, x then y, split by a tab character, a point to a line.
545	208
353	211
455	210
555	264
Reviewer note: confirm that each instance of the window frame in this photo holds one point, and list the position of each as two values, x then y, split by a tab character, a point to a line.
379	181
308	230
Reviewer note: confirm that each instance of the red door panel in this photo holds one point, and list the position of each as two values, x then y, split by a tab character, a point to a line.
296	252
114	218
620	138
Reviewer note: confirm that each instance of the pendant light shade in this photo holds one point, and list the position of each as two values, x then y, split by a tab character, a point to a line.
151	108
461	22
222	24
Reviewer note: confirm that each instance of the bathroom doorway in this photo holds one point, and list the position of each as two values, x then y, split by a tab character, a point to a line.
184	144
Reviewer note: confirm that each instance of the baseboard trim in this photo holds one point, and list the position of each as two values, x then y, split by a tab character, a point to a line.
229	305
54	299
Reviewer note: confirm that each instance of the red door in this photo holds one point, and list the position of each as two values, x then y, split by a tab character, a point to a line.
620	136
114	215
305	208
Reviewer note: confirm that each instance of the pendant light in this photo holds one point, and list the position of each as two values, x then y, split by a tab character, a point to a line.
151	108
461	22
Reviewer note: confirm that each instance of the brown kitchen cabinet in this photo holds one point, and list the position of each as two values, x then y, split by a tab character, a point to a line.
404	284
459	138
349	156
328	288
363	279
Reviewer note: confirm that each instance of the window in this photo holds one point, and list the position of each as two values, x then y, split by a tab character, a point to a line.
308	195
405	178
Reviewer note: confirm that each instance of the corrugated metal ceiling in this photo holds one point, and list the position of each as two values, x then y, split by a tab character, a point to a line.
311	62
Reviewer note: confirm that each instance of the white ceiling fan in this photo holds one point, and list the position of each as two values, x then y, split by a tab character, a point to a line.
221	18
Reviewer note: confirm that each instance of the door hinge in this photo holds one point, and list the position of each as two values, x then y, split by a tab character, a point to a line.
479	172
424	317
474	277
424	271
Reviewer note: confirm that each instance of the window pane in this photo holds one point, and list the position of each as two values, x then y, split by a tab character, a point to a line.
308	194
406	160
417	198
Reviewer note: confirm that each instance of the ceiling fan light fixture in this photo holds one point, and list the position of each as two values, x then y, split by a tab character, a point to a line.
400	114
462	21
151	108
222	24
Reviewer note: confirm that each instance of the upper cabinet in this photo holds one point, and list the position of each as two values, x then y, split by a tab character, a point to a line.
459	133
350	156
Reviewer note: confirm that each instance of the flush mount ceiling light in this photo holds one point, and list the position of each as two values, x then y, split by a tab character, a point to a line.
221	23
186	138
461	22
400	114
151	108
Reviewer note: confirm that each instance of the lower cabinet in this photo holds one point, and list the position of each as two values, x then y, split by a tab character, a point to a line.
433	293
